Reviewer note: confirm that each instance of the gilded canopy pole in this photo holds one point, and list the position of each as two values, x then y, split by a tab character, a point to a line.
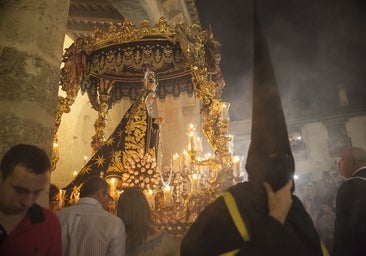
104	88
74	60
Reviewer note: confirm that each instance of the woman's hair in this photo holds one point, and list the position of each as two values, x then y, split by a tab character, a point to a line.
134	210
54	192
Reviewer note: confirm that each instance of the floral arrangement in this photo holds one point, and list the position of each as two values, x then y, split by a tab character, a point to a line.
141	171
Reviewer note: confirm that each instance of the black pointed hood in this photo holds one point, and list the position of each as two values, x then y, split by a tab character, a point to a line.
269	156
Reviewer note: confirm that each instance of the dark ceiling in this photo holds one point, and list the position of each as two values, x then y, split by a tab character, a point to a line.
85	15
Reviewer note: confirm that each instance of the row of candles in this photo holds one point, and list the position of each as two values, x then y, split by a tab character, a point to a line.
192	164
195	145
198	174
179	161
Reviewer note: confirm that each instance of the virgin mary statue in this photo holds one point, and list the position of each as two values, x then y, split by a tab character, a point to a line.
136	134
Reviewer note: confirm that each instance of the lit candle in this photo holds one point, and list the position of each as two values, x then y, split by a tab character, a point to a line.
186	158
225	110
113	186
55	150
236	166
74	174
150	198
85	159
191	139
62	197
231	144
208	155
167	195
194	182
199	144
176	162
191	144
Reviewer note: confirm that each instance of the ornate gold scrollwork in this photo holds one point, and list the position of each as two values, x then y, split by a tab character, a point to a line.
74	60
200	53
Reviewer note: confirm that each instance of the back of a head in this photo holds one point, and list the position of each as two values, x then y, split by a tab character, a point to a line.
92	185
276	168
133	207
134	210
31	157
359	156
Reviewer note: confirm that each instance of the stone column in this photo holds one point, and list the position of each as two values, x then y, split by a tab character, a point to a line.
32	35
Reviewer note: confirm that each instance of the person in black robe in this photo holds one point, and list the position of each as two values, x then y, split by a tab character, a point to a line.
350	224
261	216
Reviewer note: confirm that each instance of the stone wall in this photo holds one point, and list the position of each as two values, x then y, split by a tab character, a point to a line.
32	34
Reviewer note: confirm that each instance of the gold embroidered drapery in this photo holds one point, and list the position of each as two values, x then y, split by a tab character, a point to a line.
108	67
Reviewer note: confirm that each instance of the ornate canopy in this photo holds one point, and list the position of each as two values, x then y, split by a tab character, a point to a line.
108	67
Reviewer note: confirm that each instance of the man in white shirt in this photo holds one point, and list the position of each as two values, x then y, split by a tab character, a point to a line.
87	227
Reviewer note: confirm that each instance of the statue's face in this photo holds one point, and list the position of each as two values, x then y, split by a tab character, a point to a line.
151	77
150	81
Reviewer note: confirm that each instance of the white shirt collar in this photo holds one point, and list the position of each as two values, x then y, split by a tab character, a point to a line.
90	201
359	169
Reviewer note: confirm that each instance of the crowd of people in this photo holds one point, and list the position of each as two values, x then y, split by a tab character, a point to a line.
318	198
336	201
87	228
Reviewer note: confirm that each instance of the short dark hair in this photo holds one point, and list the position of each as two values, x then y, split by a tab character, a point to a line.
92	185
31	157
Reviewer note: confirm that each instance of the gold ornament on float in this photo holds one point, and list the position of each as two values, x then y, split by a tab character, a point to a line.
108	67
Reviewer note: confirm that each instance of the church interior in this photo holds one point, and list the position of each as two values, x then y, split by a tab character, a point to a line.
131	91
110	70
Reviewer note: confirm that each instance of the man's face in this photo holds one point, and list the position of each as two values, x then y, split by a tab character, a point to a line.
309	191
20	190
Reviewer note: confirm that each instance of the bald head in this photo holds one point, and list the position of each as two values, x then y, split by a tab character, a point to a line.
351	159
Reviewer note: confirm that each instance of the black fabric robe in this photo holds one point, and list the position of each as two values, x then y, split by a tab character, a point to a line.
136	132
350	224
214	231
